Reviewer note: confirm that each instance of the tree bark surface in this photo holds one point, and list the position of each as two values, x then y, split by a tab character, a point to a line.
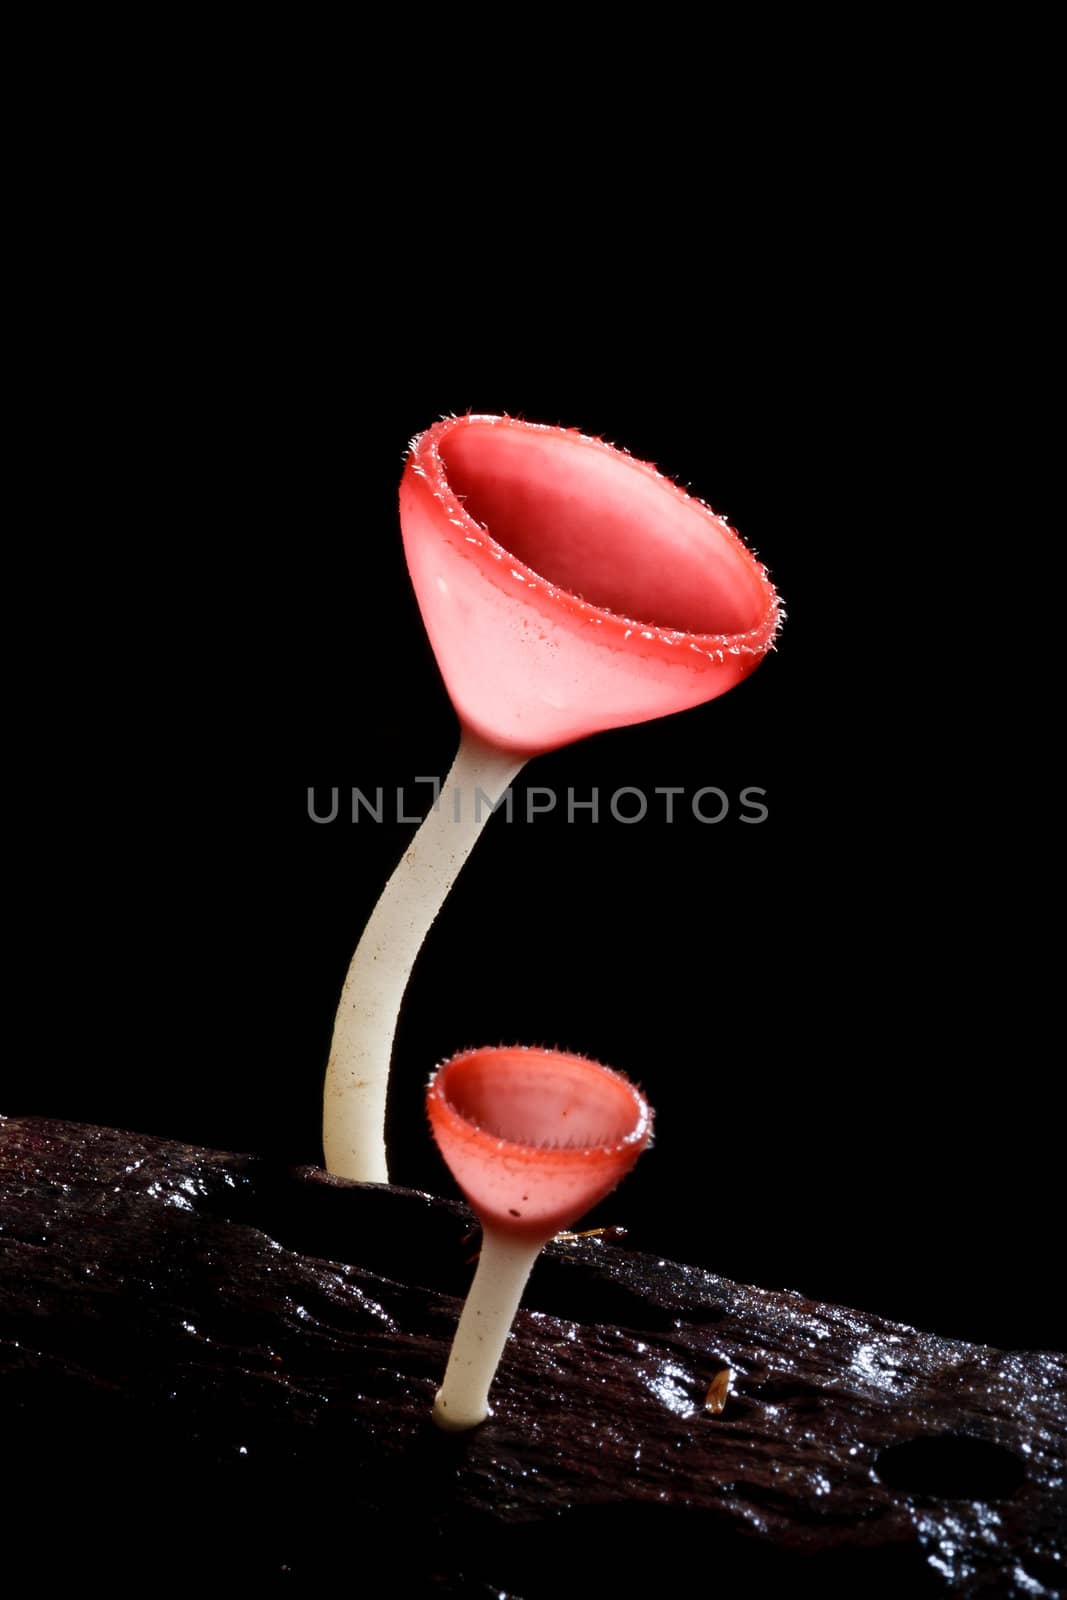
217	1368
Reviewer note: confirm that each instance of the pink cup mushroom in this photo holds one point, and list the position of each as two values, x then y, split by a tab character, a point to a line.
534	1138
566	588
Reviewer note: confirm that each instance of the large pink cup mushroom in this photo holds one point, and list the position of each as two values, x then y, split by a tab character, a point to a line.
566	588
534	1138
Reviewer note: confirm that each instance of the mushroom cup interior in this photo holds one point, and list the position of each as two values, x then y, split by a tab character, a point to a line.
529	1097
604	527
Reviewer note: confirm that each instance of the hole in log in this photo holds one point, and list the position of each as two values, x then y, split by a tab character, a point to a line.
951	1466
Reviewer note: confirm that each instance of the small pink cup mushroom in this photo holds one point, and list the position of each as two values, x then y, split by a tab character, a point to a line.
566	588
534	1138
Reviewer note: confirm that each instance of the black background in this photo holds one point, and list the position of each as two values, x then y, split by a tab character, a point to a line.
822	1008
806	280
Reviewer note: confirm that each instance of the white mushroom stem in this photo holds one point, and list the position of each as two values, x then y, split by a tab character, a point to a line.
353	1128
503	1268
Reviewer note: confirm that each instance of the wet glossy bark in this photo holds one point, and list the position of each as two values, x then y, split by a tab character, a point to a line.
214	1367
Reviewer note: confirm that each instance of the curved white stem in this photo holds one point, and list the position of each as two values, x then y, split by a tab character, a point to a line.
504	1265
353	1125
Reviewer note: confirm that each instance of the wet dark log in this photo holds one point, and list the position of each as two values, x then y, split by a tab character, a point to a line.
215	1368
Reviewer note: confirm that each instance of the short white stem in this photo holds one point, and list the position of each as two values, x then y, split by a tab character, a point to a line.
503	1268
353	1125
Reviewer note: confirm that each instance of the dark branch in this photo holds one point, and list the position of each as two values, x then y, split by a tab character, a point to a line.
214	1367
